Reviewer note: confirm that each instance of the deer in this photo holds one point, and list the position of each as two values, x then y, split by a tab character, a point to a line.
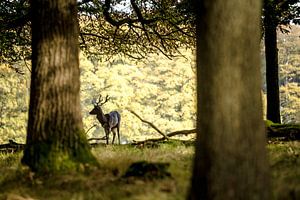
110	121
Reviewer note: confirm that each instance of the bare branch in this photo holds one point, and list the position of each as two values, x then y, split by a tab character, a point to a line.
150	124
182	132
90	128
109	19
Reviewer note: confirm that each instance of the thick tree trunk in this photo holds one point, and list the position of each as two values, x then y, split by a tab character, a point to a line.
55	137
271	55
230	159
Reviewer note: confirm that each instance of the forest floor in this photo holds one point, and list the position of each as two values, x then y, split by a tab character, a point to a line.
108	182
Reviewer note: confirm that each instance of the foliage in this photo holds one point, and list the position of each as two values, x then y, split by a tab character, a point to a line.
134	28
14	95
282	13
158	89
289	81
114	27
16	182
290	104
289	70
15	33
108	27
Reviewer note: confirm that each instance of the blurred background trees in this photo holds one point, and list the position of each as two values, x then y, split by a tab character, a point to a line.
277	15
159	89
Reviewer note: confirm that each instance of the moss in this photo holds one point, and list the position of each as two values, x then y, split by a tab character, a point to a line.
50	156
269	124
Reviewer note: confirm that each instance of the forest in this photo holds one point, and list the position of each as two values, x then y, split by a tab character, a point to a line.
209	108
159	89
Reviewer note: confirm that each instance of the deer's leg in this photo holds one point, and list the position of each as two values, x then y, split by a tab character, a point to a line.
114	135
107	135
118	129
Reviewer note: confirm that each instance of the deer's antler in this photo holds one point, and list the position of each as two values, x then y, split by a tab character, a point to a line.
100	101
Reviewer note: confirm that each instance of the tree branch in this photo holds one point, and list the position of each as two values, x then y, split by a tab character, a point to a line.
150	124
182	132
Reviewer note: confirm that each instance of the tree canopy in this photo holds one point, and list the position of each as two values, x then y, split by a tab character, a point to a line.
282	12
132	28
108	27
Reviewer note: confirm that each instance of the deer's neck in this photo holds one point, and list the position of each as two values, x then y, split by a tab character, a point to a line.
101	117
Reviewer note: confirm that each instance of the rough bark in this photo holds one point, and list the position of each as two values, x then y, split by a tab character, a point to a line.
230	158
55	137
271	56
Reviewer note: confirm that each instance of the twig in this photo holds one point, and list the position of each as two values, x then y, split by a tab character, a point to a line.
90	128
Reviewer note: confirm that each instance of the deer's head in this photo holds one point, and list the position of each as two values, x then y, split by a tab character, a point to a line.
97	105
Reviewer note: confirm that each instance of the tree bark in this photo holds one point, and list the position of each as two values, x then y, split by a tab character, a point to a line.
55	137
230	158
271	56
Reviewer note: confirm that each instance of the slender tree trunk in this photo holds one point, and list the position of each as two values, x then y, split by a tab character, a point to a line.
55	139
271	55
230	158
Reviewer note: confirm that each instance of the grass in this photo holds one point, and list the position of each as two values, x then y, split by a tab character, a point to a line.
17	182
285	167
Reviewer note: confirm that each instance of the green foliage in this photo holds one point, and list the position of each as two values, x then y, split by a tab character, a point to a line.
15	36
289	62
133	28
281	13
14	95
289	71
158	89
290	104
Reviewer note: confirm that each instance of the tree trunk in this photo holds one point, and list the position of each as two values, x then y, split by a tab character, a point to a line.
55	137
230	158
271	55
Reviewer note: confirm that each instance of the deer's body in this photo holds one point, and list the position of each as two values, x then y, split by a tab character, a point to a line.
110	121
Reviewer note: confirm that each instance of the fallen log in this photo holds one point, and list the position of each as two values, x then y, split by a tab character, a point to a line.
284	131
11	147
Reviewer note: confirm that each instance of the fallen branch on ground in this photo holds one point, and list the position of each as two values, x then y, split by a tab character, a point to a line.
182	132
11	147
285	131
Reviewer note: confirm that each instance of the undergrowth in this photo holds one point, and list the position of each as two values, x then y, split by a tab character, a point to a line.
107	182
